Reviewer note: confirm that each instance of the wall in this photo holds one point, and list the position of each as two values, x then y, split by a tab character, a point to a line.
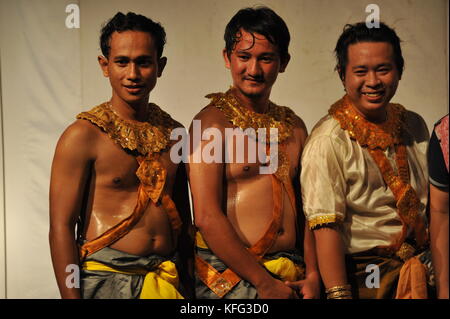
49	73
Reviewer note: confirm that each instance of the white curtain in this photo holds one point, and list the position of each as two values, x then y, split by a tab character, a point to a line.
41	92
49	74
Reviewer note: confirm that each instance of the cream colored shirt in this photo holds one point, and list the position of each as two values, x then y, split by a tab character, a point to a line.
341	183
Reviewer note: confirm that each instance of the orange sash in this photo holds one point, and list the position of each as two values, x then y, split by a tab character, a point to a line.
222	283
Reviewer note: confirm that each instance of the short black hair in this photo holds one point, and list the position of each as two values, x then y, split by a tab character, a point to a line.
135	22
359	32
261	20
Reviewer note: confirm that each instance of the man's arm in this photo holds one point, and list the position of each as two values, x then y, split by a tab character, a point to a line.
310	287
439	238
206	182
330	256
69	174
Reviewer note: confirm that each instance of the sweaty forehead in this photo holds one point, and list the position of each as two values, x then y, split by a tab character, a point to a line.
132	43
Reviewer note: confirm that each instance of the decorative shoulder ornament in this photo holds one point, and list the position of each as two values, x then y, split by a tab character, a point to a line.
377	138
280	117
366	133
148	137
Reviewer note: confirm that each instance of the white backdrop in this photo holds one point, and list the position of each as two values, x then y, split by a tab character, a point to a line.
49	73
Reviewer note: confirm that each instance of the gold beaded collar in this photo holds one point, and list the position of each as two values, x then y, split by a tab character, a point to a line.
366	133
279	117
377	138
147	137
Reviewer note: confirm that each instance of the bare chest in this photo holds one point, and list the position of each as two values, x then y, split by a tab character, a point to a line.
248	160
115	167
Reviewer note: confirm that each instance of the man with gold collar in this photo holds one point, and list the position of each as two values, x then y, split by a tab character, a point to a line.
364	177
113	180
248	232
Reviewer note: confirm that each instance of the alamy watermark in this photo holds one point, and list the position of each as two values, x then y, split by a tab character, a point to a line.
373	279
73	19
230	148
73	279
373	19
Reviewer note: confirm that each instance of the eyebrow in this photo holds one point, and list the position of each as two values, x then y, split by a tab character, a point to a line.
264	53
141	57
378	65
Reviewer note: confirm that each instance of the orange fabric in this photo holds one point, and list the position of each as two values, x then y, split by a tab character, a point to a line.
152	176
149	169
269	237
172	212
219	283
412	283
376	138
222	283
407	200
118	231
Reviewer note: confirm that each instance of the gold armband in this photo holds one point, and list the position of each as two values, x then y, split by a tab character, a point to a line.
339	292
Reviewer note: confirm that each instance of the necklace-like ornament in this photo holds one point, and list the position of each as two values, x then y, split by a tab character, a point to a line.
377	138
151	136
277	117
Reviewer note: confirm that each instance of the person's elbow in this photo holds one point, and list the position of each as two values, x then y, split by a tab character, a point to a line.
205	217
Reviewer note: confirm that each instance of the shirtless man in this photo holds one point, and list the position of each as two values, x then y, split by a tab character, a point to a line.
234	204
112	179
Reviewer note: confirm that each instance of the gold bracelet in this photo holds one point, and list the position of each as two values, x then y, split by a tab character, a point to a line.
345	297
344	294
338	288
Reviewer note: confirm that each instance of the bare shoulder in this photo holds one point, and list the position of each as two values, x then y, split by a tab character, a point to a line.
81	131
211	116
178	132
80	137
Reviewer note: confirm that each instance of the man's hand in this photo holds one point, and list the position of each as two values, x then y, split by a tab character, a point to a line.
308	288
276	289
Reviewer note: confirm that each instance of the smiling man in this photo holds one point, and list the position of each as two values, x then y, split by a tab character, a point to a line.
113	181
250	233
364	177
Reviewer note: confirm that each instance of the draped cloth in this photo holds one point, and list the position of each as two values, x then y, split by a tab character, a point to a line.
108	273
442	131
221	284
148	139
388	277
113	274
341	183
371	180
285	265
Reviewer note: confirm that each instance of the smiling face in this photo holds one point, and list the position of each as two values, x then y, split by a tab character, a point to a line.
132	66
254	64
371	78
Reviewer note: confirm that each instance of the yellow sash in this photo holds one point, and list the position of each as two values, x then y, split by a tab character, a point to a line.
282	267
159	284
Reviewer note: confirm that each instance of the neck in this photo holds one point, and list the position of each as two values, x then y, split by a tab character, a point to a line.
130	111
258	104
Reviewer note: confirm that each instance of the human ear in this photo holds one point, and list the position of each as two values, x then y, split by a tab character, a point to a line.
226	58
103	62
161	65
285	63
